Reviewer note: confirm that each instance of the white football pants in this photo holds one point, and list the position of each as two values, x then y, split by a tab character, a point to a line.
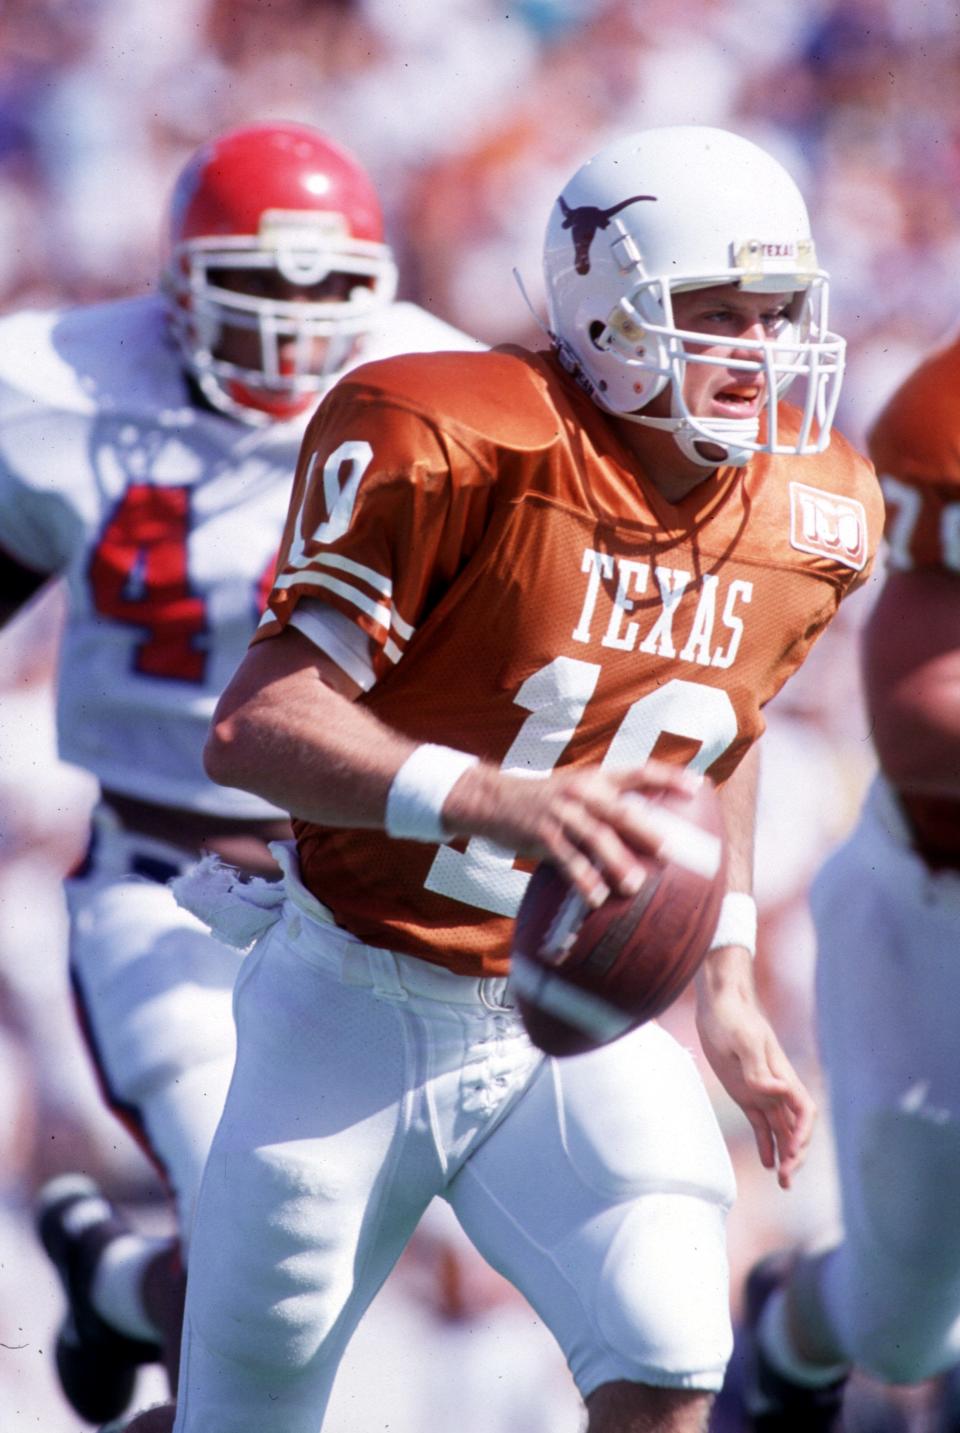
368	1082
154	991
888	996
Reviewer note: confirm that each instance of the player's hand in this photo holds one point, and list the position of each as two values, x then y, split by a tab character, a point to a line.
589	822
747	1058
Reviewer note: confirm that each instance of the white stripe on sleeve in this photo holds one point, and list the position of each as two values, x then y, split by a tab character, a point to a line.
339	638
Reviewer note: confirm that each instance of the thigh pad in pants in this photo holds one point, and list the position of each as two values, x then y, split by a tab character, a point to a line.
603	1197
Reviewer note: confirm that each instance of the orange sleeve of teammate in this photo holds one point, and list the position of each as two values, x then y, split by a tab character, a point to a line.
915	446
912	680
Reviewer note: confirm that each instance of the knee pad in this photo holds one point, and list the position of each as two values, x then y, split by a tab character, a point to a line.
662	1301
666	1138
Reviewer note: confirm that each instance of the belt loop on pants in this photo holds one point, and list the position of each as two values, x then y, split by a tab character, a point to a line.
385	974
495	993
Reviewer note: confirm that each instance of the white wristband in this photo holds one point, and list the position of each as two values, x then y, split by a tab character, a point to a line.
738	922
419	789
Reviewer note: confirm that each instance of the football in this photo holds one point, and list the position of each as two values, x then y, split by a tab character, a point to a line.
584	976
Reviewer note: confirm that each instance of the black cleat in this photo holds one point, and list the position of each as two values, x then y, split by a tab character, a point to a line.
97	1364
772	1403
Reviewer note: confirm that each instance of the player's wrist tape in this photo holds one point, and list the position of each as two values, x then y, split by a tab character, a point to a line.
419	789
737	924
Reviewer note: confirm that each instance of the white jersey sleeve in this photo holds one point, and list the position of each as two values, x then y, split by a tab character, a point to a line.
164	518
41	523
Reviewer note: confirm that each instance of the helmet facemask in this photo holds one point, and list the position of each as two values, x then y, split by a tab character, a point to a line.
642	334
304	344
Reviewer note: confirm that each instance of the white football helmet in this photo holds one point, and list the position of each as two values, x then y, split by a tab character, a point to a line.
688	207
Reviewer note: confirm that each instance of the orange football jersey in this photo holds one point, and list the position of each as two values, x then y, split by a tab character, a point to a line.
915	446
529	596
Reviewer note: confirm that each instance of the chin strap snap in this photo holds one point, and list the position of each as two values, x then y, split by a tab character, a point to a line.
726	433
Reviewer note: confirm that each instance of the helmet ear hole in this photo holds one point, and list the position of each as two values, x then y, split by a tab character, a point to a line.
596	332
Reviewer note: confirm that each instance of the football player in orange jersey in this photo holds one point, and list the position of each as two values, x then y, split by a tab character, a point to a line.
887	1296
519	591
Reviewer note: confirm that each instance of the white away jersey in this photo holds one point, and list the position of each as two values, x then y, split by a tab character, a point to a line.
163	517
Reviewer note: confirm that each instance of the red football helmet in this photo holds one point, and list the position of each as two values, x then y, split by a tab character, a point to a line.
276	243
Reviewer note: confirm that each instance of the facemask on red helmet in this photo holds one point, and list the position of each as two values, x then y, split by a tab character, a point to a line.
277	268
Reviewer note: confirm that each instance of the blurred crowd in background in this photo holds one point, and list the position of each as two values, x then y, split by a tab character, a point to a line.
469	115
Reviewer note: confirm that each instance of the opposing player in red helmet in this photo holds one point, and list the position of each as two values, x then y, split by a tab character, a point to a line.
175	419
278	268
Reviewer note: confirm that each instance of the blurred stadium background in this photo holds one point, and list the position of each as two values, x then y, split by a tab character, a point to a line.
469	115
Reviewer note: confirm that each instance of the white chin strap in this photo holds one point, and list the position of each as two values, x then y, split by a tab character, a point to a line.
730	434
737	437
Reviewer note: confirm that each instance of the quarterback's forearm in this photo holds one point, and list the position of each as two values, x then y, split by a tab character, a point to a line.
738	801
288	729
731	965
